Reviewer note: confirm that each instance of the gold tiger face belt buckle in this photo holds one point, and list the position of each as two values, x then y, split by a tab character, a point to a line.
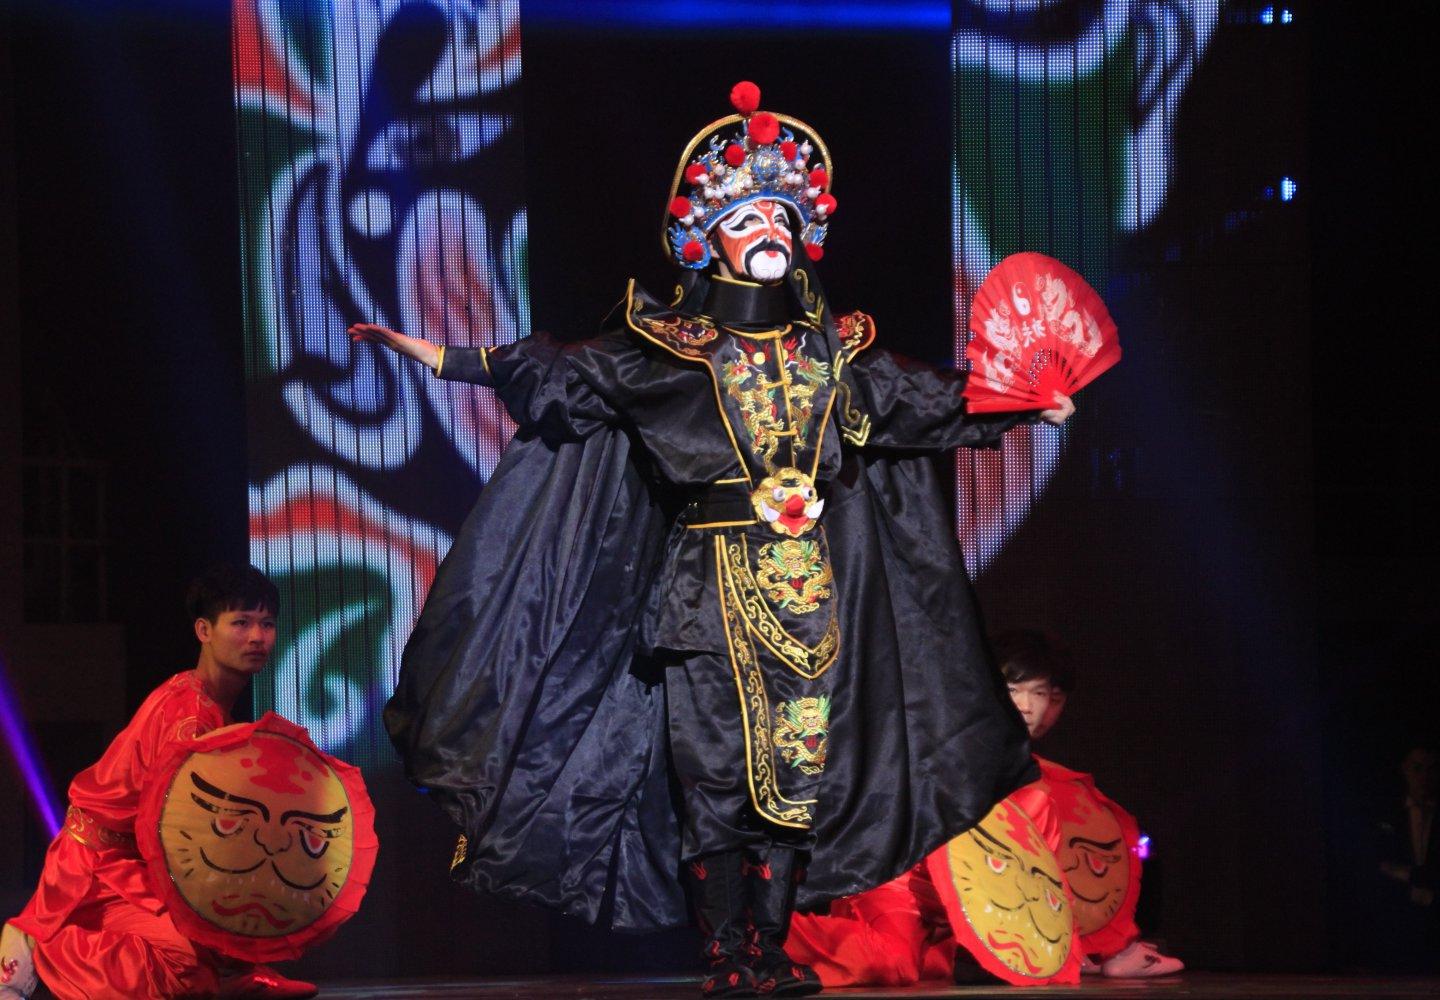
787	502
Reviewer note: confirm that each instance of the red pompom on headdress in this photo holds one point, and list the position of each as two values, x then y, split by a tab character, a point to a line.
681	207
693	251
764	128
789	150
694	173
825	205
745	97
814	251
819	178
734	154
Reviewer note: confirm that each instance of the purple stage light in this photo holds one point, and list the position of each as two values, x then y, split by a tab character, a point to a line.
22	749
1142	847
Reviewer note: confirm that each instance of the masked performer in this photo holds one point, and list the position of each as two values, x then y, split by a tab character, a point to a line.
94	928
710	609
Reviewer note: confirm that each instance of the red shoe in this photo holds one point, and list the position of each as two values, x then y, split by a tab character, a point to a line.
263	981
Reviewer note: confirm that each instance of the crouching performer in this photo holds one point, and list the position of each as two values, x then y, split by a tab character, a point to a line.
195	848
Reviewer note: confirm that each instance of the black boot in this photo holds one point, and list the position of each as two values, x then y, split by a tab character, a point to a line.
719	895
771	877
968	972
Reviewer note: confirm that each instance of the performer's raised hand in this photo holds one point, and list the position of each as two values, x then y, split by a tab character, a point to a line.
421	350
1064	408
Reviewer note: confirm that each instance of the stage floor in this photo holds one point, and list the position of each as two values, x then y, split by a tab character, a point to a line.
1191	986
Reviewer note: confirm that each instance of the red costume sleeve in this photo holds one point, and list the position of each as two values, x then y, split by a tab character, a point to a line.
109	790
95	853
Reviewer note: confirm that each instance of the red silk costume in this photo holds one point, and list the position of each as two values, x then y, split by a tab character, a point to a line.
99	931
898	933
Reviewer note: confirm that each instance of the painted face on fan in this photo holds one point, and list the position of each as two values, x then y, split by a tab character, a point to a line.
755	241
1010	889
258	838
1093	855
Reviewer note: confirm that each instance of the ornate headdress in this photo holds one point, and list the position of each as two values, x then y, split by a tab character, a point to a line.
768	156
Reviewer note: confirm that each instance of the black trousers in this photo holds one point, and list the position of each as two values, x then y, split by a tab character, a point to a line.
713	763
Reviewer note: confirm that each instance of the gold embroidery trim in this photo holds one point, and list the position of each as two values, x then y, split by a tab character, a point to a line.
440	361
862	328
630	310
824	422
854	423
811	302
755	713
721	524
760	619
762	334
461	847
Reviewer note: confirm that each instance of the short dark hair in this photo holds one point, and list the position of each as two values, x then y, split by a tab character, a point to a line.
230	587
1033	655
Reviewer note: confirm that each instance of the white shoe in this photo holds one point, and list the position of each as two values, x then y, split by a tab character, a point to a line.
17	966
1140	960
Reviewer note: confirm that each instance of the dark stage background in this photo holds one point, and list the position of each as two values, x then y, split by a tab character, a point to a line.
1232	539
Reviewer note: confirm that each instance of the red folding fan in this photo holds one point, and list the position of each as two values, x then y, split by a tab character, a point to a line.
1036	328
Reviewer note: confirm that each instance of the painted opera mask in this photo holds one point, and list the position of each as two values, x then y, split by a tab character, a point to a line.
755	241
1094	855
258	837
1010	889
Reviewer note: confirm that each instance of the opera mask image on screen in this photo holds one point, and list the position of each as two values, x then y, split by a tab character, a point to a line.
1094	857
1011	891
258	838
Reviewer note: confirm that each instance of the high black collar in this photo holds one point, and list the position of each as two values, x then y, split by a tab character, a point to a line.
743	303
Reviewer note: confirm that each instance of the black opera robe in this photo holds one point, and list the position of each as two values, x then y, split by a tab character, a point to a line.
529	703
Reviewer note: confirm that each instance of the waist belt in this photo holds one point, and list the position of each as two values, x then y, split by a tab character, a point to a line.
86	829
725	505
720	506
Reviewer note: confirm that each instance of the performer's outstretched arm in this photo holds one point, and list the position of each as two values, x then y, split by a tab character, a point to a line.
916	407
567	389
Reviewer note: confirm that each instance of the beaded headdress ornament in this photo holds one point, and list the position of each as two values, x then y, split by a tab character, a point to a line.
768	156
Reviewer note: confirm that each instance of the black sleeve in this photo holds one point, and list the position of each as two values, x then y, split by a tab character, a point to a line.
914	407
564	390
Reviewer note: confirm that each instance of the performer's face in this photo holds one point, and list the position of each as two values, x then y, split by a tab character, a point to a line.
1040	703
239	640
264	840
756	242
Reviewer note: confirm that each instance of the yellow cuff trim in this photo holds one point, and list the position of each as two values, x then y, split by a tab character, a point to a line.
440	361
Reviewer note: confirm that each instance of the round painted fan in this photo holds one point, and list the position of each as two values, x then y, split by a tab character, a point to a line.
1036	328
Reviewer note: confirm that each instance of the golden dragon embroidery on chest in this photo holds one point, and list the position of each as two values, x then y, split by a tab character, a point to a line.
774	406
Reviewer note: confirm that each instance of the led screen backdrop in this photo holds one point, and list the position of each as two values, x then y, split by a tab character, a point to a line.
381	162
380	180
1064	117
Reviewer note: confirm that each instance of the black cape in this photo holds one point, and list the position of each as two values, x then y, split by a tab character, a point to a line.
527	709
